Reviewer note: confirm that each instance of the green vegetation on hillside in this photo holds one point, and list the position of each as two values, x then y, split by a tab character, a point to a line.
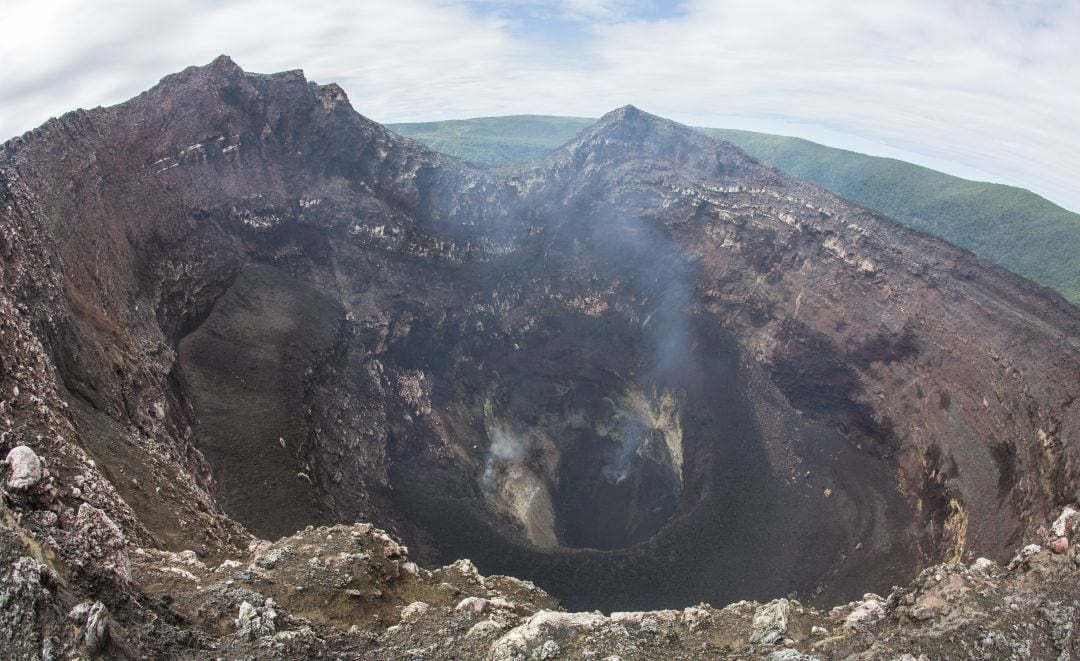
495	140
1016	228
1011	226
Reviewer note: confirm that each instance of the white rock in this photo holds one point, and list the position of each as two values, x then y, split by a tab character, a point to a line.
79	612
984	565
770	622
186	558
182	573
414	611
867	611
694	616
96	630
482	605
1024	555
253	622
484	628
789	655
520	638
636	617
106	541
25	468
303	633
1060	527
246	615
26	572
466	568
549	650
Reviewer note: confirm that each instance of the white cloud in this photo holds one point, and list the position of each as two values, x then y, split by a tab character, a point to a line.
977	88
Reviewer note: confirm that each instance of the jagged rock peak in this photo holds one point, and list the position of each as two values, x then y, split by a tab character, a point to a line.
224	63
628	111
631	133
624	127
629	118
222	68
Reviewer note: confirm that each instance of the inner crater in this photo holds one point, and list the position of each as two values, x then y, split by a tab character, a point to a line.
621	458
572	441
620	478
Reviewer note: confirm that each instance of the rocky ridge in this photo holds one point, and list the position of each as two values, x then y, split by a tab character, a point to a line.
352	592
123	228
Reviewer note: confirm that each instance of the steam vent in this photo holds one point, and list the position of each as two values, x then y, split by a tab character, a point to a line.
246	330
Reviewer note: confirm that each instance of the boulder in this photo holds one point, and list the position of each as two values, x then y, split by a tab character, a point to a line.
25	467
770	622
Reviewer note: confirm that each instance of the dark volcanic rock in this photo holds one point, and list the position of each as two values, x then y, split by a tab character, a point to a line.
244	371
645	371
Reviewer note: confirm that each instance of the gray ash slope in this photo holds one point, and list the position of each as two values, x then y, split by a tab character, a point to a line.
643	372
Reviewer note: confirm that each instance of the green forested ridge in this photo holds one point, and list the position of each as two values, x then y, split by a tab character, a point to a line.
495	140
1011	226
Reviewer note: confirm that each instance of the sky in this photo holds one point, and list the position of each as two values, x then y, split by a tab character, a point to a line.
986	89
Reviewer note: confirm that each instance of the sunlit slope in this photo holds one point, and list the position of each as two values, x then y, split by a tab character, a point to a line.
1011	226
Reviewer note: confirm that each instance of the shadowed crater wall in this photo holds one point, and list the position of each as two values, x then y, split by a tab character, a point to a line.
244	370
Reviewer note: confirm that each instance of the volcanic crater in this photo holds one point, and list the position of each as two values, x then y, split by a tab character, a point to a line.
643	372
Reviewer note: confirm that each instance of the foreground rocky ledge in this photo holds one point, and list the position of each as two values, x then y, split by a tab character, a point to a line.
75	587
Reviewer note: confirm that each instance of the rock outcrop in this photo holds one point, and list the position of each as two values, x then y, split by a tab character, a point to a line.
237	318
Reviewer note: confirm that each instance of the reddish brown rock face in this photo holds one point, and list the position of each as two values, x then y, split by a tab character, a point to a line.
645	371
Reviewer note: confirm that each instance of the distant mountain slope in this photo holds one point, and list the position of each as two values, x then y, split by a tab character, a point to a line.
495	140
1011	226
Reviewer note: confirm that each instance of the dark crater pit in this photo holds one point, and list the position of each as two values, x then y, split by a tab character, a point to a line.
584	450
